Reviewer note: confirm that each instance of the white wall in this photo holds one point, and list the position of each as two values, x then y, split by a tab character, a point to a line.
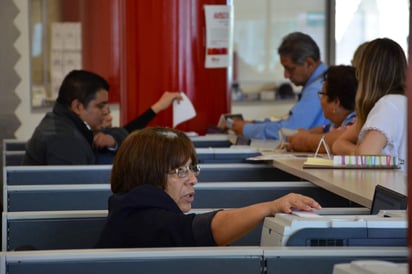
23	112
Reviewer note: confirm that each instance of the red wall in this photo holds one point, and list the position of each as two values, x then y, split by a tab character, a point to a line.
163	48
145	47
100	37
100	40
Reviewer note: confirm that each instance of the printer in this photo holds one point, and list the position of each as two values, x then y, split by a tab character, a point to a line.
387	228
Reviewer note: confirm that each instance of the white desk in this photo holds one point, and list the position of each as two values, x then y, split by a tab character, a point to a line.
357	185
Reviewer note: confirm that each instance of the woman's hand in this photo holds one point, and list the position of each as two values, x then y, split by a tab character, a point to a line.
294	201
166	100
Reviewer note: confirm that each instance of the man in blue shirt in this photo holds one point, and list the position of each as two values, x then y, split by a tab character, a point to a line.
300	58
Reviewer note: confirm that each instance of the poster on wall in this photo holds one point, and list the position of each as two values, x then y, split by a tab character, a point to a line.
217	35
66	52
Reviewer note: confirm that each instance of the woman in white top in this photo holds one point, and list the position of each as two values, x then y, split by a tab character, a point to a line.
380	106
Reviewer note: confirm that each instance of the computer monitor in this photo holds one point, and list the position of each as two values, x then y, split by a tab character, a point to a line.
385	198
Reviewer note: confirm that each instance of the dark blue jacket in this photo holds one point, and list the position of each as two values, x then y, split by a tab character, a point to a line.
61	138
148	217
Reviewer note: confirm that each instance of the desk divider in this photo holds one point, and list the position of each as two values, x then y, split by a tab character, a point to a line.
202	260
217	194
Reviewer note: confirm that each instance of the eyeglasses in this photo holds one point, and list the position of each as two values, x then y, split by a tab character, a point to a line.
183	172
321	93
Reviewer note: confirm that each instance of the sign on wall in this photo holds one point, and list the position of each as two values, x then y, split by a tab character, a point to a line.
217	35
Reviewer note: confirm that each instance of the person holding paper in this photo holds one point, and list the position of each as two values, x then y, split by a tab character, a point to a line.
109	136
300	58
66	135
153	184
107	139
381	104
337	99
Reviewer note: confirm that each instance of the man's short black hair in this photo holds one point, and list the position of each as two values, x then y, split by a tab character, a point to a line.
82	85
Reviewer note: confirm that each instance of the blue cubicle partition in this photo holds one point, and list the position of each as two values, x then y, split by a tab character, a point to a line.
41	175
211	140
13	158
100	174
200	260
206	155
208	195
226	155
242	172
52	229
13	154
79	229
149	261
315	260
13	145
57	197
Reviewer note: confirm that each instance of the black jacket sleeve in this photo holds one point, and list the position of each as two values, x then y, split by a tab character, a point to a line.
118	133
141	121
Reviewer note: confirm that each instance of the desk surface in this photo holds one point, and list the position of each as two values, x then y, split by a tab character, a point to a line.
357	185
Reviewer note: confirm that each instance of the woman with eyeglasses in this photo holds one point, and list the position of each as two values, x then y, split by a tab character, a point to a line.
153	179
337	99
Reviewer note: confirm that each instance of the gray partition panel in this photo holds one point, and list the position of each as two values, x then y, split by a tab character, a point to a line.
71	229
315	260
74	232
44	234
317	265
226	157
14	145
33	175
194	260
242	172
215	265
78	233
13	158
208	195
211	143
43	200
203	264
227	198
97	174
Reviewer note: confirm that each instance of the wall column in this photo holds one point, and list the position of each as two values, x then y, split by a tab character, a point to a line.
162	47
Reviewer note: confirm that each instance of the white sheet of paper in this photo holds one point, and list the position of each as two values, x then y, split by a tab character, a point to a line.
183	110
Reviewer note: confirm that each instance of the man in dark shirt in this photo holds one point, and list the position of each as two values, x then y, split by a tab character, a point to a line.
65	135
72	134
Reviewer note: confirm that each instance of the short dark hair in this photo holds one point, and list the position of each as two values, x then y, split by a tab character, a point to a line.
82	85
298	46
146	157
341	83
